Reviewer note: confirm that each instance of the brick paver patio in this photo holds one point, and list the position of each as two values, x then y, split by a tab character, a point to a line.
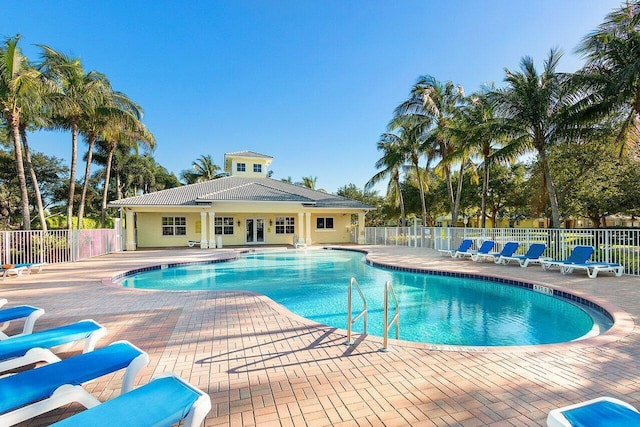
264	366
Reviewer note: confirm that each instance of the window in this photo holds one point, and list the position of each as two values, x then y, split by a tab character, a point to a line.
324	223
223	225
285	225
257	167
174	226
240	167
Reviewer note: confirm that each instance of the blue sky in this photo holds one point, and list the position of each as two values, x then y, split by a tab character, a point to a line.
311	83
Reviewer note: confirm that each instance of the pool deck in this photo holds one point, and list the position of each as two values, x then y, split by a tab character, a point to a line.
264	366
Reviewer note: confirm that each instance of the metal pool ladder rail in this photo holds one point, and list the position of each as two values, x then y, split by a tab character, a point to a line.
388	289
363	313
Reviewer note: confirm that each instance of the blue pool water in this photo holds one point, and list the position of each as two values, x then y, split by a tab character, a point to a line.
433	309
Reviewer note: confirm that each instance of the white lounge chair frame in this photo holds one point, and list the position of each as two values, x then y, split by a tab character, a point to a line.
473	254
17	271
40	354
193	418
299	242
556	417
593	268
35	267
452	252
67	393
522	261
29	323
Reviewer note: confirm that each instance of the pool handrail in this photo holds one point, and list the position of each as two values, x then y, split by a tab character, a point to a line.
388	289
363	313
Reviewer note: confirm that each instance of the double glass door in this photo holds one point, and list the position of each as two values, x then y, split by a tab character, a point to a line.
255	230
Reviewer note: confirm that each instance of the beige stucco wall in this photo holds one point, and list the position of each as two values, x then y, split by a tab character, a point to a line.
149	228
340	232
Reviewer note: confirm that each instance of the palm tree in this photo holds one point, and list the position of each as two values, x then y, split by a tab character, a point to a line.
612	71
410	140
309	181
34	115
390	164
477	134
433	105
203	169
532	114
18	83
80	94
126	135
116	110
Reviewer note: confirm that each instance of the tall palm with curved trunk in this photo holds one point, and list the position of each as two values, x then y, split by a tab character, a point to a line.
18	84
127	134
612	71
80	94
532	113
477	134
203	169
116	109
411	144
433	106
389	166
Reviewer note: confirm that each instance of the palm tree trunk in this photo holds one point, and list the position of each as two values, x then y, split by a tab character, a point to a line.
456	206
14	120
72	174
449	183
105	191
403	215
553	197
421	187
87	173
34	179
485	192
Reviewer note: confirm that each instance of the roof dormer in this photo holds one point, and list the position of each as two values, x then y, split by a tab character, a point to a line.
247	164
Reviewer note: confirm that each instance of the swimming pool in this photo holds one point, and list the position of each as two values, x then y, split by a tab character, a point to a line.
433	309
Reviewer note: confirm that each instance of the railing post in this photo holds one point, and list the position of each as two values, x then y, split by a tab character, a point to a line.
363	313
396	317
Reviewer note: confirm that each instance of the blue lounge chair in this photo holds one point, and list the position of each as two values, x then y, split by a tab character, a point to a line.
26	349
603	411
31	393
579	255
484	249
593	268
27	312
465	245
162	402
16	271
32	266
533	256
508	250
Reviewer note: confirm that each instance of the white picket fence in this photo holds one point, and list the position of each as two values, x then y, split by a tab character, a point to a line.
35	246
611	245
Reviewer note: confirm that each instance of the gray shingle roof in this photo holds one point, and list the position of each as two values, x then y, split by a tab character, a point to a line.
240	189
247	154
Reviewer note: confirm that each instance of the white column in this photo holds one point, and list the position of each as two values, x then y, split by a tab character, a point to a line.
307	227
212	230
203	230
130	224
361	228
300	232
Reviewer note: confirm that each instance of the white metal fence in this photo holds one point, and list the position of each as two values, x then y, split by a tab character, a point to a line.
611	245
17	247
